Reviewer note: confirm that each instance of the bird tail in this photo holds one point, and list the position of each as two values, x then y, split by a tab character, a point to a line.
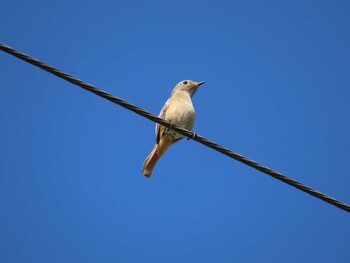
157	152
150	162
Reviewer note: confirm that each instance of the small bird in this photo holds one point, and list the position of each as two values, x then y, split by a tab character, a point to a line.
177	110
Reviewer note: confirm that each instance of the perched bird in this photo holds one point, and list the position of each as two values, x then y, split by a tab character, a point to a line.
179	111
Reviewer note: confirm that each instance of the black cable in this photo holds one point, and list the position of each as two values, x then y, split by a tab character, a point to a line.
182	131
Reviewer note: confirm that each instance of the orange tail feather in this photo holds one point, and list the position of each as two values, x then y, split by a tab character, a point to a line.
150	162
157	152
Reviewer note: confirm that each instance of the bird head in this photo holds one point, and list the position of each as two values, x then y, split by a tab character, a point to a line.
188	85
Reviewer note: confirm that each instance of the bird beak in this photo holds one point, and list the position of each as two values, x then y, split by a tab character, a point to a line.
200	83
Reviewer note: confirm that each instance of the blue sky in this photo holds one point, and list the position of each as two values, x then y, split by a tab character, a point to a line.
277	91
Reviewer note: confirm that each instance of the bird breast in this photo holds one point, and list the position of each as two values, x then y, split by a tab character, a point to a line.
181	111
178	110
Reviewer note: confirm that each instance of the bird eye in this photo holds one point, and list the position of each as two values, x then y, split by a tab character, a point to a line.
185	82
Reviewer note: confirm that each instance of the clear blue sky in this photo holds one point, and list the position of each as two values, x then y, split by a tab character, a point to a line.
277	91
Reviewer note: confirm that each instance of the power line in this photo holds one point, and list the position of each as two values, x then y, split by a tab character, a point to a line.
180	130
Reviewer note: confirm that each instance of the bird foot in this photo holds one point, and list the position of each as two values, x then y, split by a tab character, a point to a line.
168	129
193	136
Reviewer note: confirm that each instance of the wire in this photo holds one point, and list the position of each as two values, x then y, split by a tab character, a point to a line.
180	130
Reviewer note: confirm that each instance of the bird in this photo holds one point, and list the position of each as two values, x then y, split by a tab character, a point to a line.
178	110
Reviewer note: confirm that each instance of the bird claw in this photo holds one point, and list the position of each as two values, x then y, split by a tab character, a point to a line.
168	129
193	136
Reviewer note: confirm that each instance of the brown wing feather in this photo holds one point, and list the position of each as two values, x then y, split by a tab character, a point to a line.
159	128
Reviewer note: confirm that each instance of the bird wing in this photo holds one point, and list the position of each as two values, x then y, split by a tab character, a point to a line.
159	128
